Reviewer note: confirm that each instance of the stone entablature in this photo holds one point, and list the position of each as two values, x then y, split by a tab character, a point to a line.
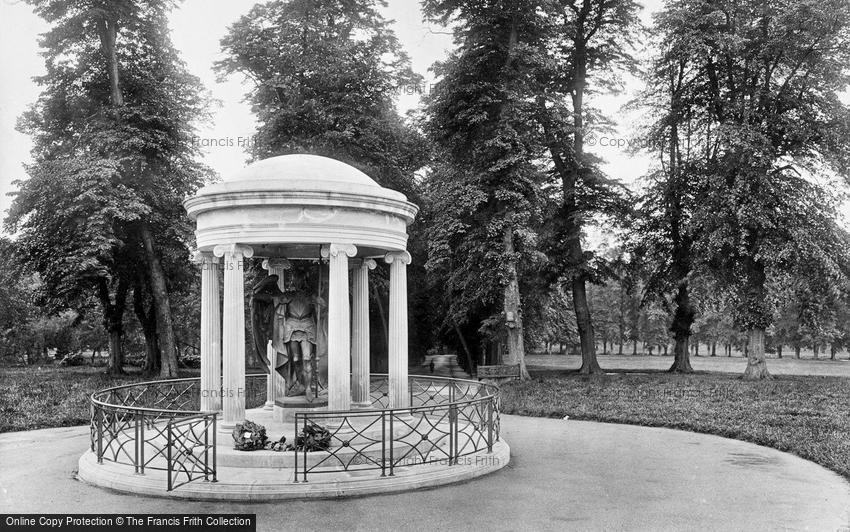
301	199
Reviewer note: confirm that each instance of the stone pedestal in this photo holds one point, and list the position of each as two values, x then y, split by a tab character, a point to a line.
286	407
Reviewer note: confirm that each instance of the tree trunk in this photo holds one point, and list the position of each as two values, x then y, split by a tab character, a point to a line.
115	366
683	319
147	320
831	352
466	351
714	349
797	351
113	312
756	363
604	346
815	348
162	306
620	348
113	322
634	348
681	360
376	297
779	351
589	364
108	32
512	308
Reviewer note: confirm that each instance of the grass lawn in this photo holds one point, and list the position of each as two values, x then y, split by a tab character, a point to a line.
807	416
38	398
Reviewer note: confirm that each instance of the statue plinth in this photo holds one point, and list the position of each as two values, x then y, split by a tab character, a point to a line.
286	407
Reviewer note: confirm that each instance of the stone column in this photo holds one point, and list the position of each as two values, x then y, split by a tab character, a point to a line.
210	332
339	326
398	261
233	334
360	333
275	383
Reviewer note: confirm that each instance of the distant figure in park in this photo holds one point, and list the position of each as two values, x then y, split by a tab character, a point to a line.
431	365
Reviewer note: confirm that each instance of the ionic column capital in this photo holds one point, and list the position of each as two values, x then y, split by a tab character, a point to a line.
398	256
233	250
333	250
204	257
273	264
368	264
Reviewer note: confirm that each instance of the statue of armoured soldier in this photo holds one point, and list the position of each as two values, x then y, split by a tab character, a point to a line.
288	319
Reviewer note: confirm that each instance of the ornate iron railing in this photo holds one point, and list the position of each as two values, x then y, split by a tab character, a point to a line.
448	419
159	425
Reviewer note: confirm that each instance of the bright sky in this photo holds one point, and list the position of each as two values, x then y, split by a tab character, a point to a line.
197	27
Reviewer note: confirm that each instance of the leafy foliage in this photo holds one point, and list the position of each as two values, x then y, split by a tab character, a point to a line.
757	87
324	79
113	157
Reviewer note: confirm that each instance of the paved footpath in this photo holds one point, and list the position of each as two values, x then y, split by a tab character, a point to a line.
563	475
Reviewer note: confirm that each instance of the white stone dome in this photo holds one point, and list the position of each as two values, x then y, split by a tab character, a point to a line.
302	167
285	205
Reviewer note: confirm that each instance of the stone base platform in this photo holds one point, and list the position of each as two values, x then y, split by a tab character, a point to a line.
269	484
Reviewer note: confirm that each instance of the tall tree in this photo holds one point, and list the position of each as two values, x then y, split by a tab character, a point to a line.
765	83
480	117
588	43
663	235
113	157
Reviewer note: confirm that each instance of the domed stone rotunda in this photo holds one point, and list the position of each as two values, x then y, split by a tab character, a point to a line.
301	208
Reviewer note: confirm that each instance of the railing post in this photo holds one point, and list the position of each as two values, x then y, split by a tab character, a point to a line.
92	428
168	440
136	442
295	447
490	425
384	443
142	444
392	440
452	432
304	456
215	455
206	448
496	400
99	434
